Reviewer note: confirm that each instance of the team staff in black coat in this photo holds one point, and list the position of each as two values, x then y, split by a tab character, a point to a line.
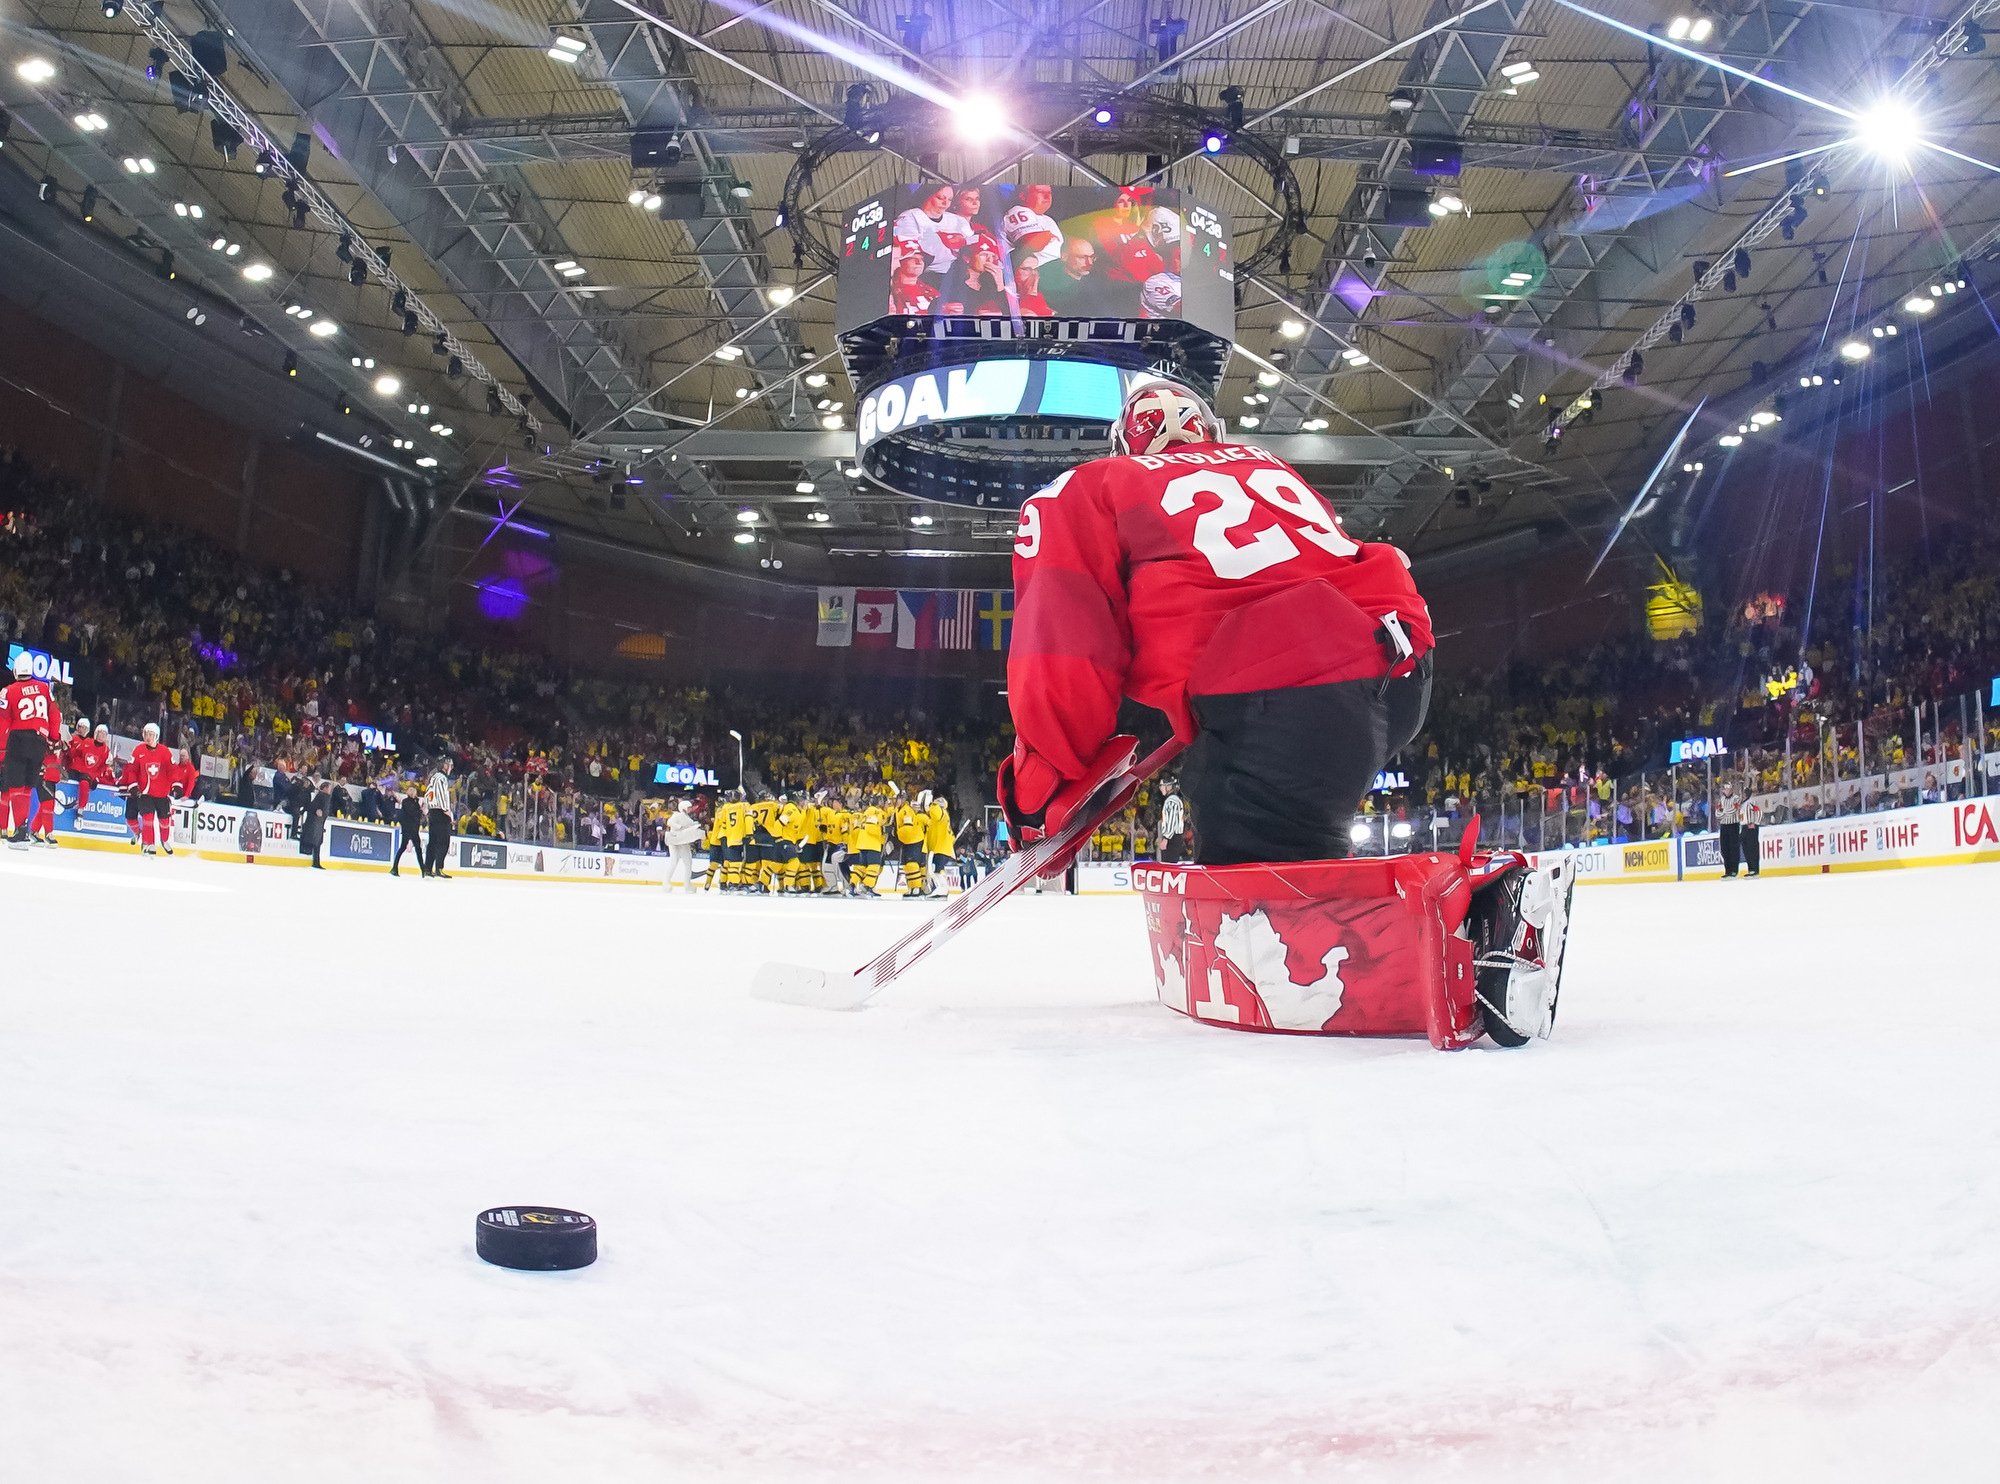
410	816
312	821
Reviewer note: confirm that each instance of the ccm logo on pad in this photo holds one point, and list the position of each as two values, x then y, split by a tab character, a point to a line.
1160	881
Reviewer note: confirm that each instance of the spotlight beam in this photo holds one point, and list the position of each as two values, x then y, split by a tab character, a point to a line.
1705	59
1782	159
1943	150
1672	453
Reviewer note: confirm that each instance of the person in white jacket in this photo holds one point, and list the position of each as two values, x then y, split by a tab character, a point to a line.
684	832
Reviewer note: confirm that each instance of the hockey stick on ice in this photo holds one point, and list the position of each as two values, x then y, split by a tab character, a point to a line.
800	984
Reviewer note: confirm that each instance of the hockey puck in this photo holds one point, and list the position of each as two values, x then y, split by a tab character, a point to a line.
539	1239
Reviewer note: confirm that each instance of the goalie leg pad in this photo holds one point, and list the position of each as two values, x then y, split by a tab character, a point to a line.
1358	947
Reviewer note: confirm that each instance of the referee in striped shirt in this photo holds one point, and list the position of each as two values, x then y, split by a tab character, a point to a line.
1173	825
437	808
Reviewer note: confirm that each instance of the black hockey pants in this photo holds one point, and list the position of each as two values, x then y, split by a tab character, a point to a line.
1276	774
440	823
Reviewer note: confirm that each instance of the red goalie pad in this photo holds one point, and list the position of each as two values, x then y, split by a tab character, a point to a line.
1331	948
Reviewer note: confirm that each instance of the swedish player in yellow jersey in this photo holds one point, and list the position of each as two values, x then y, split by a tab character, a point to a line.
790	832
717	845
836	825
736	844
940	843
764	844
865	847
912	825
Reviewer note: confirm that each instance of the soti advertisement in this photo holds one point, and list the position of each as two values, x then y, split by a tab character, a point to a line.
1036	252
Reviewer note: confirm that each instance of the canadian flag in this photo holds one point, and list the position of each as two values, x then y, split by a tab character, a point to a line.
874	619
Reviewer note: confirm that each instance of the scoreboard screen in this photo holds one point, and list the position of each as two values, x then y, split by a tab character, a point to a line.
1036	252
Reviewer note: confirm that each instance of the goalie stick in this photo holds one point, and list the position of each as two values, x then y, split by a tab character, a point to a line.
800	984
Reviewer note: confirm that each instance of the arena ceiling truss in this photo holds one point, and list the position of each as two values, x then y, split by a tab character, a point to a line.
496	169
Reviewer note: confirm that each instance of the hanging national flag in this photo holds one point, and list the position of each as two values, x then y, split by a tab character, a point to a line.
955	620
836	617
916	620
874	619
996	619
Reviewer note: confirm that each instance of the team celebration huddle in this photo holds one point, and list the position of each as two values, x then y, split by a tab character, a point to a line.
827	845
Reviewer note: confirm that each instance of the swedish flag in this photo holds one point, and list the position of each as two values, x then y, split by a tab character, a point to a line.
996	619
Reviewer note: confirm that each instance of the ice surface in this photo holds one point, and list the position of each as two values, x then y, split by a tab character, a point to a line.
1738	1220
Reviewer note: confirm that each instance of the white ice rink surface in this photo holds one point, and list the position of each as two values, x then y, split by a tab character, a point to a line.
1740	1219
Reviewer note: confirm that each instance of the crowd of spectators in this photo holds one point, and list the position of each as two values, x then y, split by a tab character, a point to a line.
264	673
1886	681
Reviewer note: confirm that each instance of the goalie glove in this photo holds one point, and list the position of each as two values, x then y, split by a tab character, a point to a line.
1038	801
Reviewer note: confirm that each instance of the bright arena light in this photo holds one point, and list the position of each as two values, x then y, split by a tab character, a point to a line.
36	69
1890	129
1291	329
1857	350
980	118
1919	304
388	386
322	328
781	294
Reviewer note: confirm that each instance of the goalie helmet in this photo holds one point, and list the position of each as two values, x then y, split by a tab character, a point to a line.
1159	414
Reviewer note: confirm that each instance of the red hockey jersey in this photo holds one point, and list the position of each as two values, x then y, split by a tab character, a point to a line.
152	770
1138	576
30	706
88	757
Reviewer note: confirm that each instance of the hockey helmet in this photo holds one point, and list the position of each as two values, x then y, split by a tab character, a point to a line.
24	666
1159	414
924	799
151	731
83	725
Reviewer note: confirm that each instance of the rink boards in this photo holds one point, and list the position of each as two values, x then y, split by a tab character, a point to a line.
224	832
1962	833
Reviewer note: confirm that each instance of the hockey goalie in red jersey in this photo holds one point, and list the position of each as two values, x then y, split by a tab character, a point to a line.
1208	580
1211	582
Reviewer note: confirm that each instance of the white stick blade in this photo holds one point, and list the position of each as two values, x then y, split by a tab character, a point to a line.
800	984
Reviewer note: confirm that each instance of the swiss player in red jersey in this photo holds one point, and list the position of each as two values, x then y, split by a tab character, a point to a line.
1211	582
43	830
88	759
151	772
34	724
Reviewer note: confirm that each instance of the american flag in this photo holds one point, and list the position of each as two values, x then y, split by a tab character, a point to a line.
955	620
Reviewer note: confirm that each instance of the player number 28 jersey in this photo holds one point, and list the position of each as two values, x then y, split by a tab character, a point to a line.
1125	567
30	706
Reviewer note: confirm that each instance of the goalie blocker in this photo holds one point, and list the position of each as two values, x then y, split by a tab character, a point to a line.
1431	944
